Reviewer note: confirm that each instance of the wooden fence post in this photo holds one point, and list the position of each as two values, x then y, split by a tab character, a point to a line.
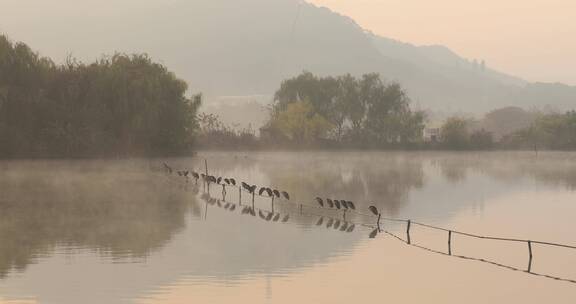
408	232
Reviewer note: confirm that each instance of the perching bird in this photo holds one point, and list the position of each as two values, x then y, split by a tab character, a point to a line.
320	221
253	189
351	205
195	175
277	193
374	210
261	191
269	217
246	186
286	195
219	180
233	182
269	192
261	214
320	202
330	203
337	204
186	173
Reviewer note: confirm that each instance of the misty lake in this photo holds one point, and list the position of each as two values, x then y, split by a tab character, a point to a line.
122	231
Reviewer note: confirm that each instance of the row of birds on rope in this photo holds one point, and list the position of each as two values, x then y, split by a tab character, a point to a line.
345	205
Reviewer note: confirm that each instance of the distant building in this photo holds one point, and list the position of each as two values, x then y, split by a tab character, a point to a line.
431	135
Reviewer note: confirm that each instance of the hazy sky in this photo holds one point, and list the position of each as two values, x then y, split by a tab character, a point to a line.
533	39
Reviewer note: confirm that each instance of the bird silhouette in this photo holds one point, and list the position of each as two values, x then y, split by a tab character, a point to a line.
351	205
269	192
374	210
337	204
246	186
219	180
253	189
330	203
344	204
277	193
320	202
286	195
233	182
227	181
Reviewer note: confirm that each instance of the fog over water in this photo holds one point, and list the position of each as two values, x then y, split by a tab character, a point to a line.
121	231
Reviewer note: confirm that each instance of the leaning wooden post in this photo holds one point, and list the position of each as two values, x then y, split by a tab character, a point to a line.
408	231
450	242
530	256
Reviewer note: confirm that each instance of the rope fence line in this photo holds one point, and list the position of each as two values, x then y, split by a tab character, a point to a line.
408	222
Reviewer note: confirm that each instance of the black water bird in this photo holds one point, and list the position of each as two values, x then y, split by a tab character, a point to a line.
286	195
351	205
246	186
261	214
330	203
336	224
261	191
219	180
233	182
269	192
344	204
320	202
252	189
269	217
320	221
195	175
374	210
276	192
337	203
374	233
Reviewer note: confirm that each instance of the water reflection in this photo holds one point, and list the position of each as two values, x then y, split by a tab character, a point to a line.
120	231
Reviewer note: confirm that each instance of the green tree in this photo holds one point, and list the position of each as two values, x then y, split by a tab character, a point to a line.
455	133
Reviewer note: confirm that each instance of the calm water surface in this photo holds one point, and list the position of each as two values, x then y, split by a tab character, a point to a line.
123	232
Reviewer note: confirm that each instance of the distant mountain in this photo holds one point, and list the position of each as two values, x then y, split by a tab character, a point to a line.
247	47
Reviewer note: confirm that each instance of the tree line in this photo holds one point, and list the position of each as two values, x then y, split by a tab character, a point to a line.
116	106
343	111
